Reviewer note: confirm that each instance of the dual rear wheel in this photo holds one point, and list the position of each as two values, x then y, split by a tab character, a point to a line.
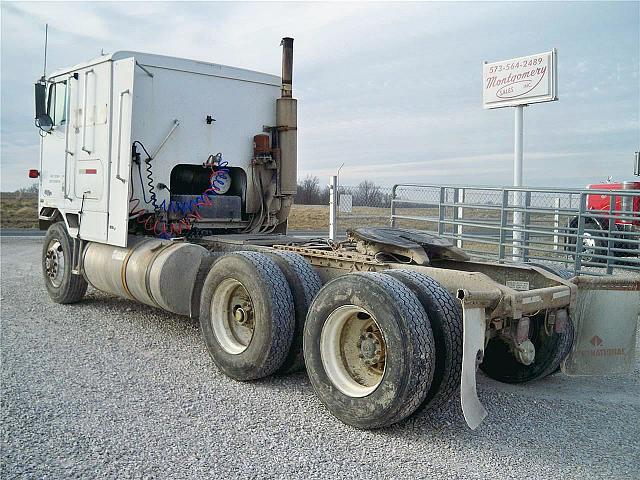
252	310
369	349
377	347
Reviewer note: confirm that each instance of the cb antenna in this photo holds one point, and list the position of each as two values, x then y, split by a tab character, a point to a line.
46	38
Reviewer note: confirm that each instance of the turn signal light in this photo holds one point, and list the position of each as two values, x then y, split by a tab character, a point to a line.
33	173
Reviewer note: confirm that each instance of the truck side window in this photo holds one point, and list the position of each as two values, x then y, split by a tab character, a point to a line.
56	105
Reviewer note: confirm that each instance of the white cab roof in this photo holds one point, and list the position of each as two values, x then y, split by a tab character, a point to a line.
181	64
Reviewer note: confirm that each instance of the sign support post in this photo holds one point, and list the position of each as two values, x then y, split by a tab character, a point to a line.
517	182
519	82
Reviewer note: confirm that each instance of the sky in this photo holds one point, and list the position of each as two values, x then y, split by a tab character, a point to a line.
392	90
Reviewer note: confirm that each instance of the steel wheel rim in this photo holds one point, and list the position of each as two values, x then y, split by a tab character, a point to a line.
353	351
54	263
589	244
232	316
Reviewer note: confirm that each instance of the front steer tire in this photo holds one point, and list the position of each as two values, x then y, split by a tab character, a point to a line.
62	285
369	317
247	315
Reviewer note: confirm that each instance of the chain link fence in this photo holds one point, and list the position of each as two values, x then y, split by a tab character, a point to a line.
363	205
591	231
576	228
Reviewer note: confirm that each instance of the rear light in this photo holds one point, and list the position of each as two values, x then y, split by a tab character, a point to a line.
33	173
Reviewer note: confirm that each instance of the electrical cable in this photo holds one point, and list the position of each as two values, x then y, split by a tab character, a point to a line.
154	223
148	167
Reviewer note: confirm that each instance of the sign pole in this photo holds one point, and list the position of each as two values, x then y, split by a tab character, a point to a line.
517	182
519	82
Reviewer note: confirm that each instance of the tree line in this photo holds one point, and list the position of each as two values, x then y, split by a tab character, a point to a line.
366	193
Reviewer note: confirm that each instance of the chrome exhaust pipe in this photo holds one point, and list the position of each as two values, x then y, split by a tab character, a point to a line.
287	121
287	66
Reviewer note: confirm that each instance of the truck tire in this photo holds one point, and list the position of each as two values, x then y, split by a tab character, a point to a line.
551	349
246	315
304	283
57	257
369	349
564	348
198	283
592	244
445	315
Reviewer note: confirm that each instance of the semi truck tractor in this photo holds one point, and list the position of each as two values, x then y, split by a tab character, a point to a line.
612	211
169	182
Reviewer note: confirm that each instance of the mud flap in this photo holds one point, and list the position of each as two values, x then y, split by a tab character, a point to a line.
605	318
474	325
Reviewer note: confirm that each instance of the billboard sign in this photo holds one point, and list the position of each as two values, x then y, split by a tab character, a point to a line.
520	81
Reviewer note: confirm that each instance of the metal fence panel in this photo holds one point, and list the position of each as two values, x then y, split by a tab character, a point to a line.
550	224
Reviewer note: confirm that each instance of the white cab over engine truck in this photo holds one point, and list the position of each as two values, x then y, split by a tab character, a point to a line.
169	181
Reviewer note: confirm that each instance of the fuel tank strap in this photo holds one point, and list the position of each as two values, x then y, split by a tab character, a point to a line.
147	277
123	270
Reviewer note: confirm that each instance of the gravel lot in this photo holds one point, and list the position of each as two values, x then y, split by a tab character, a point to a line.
110	388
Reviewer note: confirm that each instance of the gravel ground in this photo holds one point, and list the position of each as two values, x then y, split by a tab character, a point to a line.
110	388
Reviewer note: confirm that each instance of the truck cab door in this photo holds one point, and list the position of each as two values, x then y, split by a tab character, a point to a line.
120	171
87	149
53	178
75	157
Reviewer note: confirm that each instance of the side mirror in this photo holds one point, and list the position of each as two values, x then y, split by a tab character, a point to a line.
44	122
636	168
41	99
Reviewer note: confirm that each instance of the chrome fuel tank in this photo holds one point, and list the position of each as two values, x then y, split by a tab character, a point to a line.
160	273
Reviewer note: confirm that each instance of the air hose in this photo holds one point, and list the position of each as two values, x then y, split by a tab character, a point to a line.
162	228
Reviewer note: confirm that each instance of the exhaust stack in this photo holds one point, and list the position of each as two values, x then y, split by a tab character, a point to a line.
287	121
287	66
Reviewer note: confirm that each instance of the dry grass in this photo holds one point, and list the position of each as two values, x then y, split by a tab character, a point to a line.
18	211
309	217
316	217
21	212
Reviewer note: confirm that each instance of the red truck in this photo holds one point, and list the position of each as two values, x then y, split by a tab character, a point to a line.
626	214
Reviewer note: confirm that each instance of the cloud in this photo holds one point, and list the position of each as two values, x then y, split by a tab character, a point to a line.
555	169
390	89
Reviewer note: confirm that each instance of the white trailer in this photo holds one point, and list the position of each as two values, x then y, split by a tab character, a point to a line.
169	182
